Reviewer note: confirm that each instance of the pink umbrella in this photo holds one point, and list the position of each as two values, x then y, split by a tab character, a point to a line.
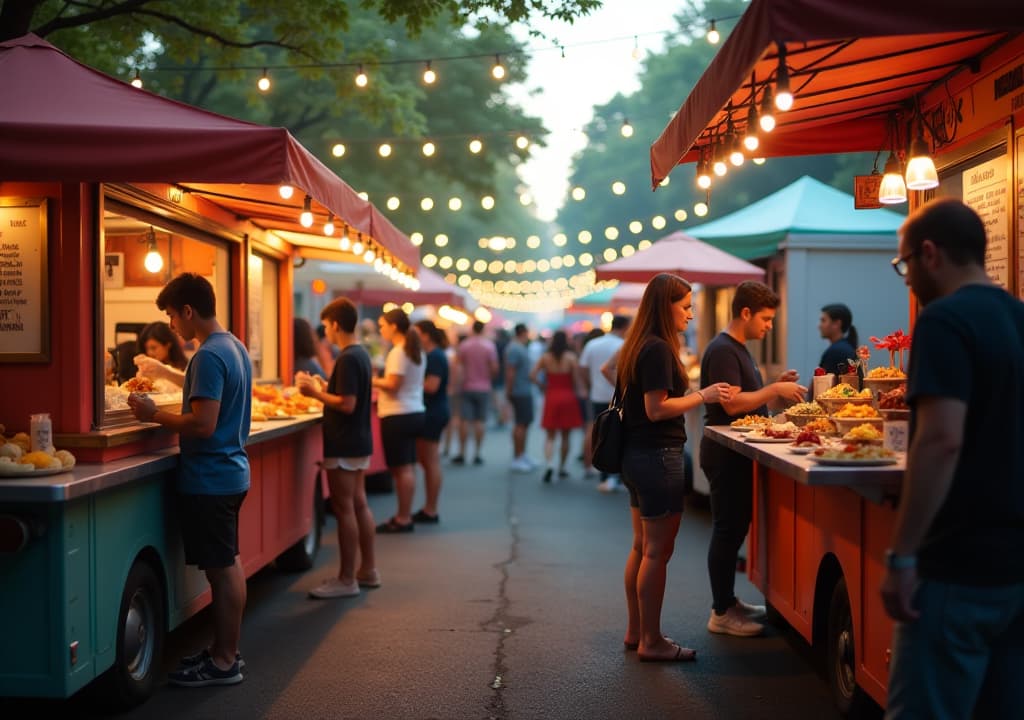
694	260
628	295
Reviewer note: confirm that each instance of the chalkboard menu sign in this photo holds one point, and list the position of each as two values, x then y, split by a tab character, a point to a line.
24	306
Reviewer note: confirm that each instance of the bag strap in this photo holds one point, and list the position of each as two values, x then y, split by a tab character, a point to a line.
618	401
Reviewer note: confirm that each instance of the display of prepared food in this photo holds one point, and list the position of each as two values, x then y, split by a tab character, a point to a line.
845	391
822	426
895	399
273	402
751	421
851	410
865	432
805	408
885	373
17	458
855	451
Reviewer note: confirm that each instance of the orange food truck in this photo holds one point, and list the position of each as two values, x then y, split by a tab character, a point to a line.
942	79
107	191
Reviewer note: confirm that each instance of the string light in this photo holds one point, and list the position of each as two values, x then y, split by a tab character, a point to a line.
454	204
619	187
578	193
361	79
637	53
263	84
475	146
393	203
487	202
700	209
429	76
286	192
498	71
384	150
522	142
137	80
713	36
427	204
329	225
306	217
783	97
428	149
627	128
767	119
338	150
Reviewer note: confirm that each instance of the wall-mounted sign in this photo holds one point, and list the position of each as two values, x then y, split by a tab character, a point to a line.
985	189
24	294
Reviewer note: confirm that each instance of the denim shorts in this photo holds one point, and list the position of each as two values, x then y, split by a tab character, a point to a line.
655	480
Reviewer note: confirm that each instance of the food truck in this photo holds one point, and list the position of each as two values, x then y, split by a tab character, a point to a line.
908	79
106	192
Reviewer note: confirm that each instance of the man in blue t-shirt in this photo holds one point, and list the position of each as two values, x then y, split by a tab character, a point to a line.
954	578
214	469
519	391
729	474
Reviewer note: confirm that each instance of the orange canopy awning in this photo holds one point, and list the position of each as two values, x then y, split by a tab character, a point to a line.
851	64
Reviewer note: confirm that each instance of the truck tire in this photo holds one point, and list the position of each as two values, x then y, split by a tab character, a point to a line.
841	660
301	556
141	628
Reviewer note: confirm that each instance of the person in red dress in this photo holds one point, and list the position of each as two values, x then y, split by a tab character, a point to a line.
561	406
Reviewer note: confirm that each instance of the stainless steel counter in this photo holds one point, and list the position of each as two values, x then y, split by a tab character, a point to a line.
87	478
876	483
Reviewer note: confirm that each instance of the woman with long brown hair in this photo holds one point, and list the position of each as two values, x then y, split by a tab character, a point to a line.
401	411
654	389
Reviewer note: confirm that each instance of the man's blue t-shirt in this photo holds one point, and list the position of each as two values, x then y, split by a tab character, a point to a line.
218	465
517	357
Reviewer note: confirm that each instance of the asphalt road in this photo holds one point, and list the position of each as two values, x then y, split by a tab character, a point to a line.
510	608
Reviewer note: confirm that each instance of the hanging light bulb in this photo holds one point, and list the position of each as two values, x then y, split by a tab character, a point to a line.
637	52
619	187
306	218
892	191
137	80
361	79
429	76
154	261
329	225
767	119
384	150
921	174
522	142
758	161
703	176
345	243
429	149
393	203
357	246
783	97
475	146
713	37
498	71
718	160
286	192
627	128
700	209
338	149
750	139
264	82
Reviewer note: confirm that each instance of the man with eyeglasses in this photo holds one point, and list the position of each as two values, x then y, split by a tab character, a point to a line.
954	578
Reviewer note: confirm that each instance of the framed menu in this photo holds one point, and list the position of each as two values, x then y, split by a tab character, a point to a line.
24	293
985	190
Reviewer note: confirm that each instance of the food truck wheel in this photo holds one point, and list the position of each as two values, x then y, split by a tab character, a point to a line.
841	657
141	625
302	554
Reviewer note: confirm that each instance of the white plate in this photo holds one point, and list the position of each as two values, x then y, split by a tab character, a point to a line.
854	461
754	439
803	450
19	473
742	428
280	417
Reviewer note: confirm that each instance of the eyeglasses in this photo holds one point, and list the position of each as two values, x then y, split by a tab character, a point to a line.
899	264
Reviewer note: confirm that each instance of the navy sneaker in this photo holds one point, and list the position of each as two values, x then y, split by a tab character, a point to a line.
206	673
202	656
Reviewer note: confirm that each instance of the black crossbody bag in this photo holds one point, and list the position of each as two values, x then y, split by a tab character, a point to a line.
608	437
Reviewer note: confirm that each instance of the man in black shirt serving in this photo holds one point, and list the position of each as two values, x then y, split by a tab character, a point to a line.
955	571
729	473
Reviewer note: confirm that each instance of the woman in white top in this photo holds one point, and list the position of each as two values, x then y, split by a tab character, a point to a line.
400	409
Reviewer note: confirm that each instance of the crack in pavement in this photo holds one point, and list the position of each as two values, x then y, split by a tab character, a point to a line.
501	621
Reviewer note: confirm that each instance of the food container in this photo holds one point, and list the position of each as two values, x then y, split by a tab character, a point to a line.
883	385
895	414
845	425
821	383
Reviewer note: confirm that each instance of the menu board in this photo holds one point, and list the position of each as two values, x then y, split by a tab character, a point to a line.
24	309
985	189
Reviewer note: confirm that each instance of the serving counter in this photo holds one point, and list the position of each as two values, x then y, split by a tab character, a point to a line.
815	549
96	557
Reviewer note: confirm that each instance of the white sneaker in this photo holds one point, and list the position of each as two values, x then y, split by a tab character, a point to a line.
520	465
734	622
530	462
753	612
334	588
608	485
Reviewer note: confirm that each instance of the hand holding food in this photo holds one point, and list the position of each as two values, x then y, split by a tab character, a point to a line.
149	367
717	392
142	407
790	391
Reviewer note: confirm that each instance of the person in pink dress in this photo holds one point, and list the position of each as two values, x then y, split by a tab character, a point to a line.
561	405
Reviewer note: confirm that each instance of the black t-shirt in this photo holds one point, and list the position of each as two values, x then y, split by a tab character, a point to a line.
837	356
436	404
970	346
656	369
728	360
348	434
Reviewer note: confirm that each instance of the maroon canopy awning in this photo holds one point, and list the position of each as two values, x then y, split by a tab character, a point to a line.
850	65
64	121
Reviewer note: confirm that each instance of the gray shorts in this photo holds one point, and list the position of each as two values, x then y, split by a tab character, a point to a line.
474	405
522	409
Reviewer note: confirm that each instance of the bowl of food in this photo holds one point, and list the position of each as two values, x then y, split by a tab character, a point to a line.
821	426
749	422
848	425
803	413
832	405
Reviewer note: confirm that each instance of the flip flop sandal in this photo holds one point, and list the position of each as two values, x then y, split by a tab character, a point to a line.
681	655
636	645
